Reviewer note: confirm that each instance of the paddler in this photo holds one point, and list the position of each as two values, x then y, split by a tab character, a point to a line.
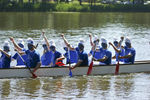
70	55
95	50
82	55
6	56
119	50
47	53
17	57
106	54
129	56
54	54
33	57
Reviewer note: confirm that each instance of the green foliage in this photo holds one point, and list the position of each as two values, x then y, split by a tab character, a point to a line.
6	5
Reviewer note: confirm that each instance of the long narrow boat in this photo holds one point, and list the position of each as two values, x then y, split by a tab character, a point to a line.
19	72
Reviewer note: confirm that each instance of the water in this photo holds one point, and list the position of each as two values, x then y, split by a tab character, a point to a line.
74	26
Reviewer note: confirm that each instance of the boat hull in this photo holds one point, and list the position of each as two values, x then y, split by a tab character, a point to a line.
64	71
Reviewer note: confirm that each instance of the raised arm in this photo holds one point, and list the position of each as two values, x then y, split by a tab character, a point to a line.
117	50
91	42
15	44
46	40
5	53
66	42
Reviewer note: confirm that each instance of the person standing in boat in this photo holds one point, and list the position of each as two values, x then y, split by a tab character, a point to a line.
82	55
119	50
106	54
17	57
129	56
33	57
70	55
6	56
53	53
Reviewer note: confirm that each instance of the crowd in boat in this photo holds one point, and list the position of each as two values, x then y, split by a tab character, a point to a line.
73	55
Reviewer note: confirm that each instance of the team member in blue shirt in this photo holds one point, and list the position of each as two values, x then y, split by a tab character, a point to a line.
47	54
107	55
17	57
130	52
82	55
6	56
33	58
70	55
54	54
119	50
95	50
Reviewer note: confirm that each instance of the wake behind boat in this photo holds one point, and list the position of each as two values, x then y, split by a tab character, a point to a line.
23	72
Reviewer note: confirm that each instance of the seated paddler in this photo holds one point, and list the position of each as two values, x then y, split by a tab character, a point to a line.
106	54
82	55
5	59
33	57
17	57
129	55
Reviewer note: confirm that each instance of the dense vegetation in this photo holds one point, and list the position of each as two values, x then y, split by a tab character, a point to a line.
66	6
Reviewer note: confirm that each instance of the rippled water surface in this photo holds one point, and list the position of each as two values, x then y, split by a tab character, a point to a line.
74	26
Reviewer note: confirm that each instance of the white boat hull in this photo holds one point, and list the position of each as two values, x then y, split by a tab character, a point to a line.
64	71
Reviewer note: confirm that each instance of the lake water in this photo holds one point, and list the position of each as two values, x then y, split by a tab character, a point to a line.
74	26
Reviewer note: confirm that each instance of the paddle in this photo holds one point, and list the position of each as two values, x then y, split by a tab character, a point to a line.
33	75
38	41
70	72
117	68
59	63
91	64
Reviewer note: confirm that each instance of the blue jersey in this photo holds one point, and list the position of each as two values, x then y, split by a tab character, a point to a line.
132	52
33	58
46	58
73	56
98	54
107	54
5	61
55	55
120	54
19	60
83	56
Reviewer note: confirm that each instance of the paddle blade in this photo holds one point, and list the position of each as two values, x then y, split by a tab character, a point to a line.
60	64
117	68
90	68
33	75
70	72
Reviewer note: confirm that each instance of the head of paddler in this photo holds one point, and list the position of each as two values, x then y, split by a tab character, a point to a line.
104	43
66	49
116	43
20	43
52	46
6	46
30	44
81	46
128	43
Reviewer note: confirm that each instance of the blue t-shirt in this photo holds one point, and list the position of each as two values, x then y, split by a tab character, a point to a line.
108	54
83	56
46	58
120	54
5	61
98	54
33	58
132	52
55	55
73	56
19	60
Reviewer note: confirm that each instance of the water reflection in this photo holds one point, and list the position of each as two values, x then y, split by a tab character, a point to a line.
6	89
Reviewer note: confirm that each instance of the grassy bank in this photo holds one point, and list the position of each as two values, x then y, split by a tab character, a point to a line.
72	7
